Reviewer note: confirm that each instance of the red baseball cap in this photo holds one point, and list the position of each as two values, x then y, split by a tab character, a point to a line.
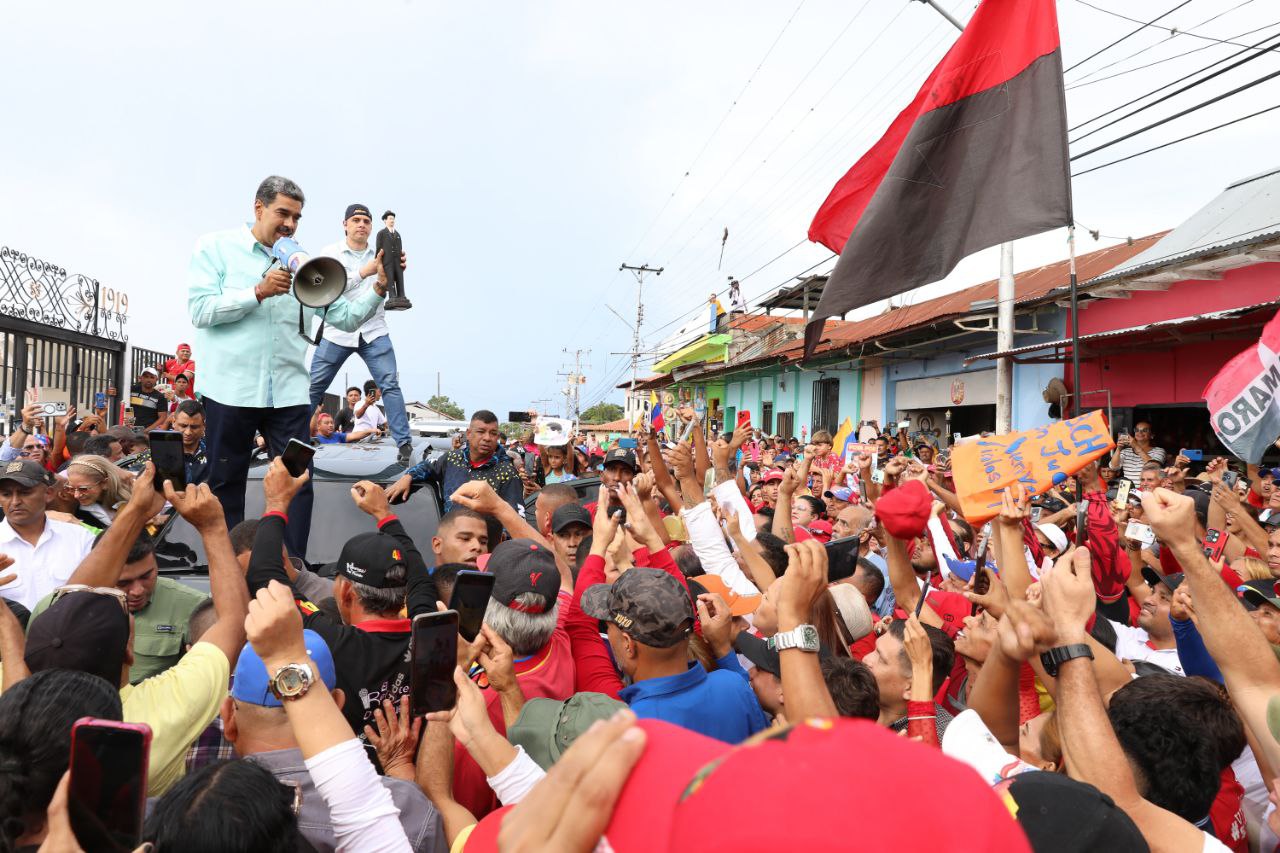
773	475
686	786
904	511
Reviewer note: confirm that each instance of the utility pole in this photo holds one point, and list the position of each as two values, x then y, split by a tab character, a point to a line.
573	384
1005	297
639	272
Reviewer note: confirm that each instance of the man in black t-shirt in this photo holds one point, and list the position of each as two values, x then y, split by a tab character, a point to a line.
379	572
147	403
346	418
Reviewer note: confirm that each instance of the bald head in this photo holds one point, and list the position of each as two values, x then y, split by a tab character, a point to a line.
551	499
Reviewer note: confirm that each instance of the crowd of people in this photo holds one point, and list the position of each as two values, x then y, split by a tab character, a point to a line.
714	614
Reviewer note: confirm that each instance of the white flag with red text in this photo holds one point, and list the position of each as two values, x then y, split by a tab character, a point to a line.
1244	398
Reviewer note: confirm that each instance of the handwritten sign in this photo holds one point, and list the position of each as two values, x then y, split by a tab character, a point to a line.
984	467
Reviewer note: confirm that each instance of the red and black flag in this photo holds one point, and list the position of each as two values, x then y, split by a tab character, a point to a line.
978	158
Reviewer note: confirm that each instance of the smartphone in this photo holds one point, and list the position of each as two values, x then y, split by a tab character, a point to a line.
1230	478
108	794
1213	544
433	655
1192	454
471	598
1082	522
955	436
877	476
297	457
166	453
1122	492
1139	532
984	540
842	557
1036	511
744	418
100	400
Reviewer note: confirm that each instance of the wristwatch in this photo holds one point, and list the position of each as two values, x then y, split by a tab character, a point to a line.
1059	655
292	681
802	637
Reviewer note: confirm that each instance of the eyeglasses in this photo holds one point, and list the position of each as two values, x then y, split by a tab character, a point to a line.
80	490
118	595
31	451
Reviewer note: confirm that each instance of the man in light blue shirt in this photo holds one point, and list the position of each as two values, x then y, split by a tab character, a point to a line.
372	340
253	373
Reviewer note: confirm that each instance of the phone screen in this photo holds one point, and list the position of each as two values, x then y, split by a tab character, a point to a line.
166	453
433	651
108	784
297	457
100	400
471	598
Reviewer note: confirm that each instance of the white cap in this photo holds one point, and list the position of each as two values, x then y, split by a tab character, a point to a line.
1054	534
853	609
968	740
150	370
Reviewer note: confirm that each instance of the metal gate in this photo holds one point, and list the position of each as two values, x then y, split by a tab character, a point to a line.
826	405
63	334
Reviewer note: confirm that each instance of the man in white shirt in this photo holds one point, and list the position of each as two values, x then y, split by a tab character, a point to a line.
372	341
1153	639
367	414
45	552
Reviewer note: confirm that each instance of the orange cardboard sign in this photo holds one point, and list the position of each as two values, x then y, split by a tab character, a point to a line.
1038	458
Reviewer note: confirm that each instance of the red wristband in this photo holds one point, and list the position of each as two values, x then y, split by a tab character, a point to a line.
387	520
278	514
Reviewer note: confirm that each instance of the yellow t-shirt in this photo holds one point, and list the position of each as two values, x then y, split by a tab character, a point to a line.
177	704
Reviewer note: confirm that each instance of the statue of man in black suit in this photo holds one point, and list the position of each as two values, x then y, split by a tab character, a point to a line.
390	246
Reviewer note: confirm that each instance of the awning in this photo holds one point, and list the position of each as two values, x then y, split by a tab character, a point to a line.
1219	324
706	348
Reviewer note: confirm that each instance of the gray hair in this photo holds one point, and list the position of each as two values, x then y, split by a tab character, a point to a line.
526	633
382	601
274	185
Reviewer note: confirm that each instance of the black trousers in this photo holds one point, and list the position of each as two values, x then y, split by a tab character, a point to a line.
395	276
229	444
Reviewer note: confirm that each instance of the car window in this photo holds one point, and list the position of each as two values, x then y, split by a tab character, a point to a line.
334	520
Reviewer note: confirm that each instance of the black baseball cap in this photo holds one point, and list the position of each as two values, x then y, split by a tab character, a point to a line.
649	605
521	566
356	210
88	631
25	473
759	653
572	513
388	213
1152	577
369	557
623	455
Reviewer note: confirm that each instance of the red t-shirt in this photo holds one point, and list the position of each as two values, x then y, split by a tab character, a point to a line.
173	367
547	674
1227	815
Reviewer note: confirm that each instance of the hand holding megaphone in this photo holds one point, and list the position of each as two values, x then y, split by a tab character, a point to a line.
317	282
274	283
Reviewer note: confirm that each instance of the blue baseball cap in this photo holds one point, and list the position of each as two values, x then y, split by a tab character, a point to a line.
841	494
964	569
251	682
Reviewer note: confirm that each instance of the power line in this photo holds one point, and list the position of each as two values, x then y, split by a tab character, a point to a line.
1171	37
1166	29
1123	37
1176	141
1251	57
1178	115
1079	84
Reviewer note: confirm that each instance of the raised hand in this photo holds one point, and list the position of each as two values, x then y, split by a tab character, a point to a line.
1171	516
1068	595
396	738
197	504
371	499
478	496
1025	631
279	486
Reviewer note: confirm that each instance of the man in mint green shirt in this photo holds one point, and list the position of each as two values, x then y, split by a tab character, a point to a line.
253	375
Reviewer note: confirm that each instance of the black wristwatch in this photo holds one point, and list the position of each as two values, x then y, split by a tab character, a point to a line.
1059	655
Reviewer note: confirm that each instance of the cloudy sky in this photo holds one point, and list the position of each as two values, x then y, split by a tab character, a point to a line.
530	148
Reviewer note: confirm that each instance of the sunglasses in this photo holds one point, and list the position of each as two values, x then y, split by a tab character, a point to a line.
118	595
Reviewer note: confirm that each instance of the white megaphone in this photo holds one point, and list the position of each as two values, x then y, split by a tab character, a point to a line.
317	282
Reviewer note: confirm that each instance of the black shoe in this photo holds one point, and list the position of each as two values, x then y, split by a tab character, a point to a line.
406	454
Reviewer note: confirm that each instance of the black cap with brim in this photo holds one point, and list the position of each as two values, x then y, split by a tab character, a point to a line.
759	653
1059	813
1255	597
368	559
25	473
522	566
1152	577
621	455
567	514
87	631
648	605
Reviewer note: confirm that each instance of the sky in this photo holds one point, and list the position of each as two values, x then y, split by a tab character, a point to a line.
529	149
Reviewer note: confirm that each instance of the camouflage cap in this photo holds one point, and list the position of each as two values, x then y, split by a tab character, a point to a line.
649	605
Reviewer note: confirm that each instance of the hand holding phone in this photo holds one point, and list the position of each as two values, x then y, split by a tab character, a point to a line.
108	790
167	454
433	652
1214	542
297	457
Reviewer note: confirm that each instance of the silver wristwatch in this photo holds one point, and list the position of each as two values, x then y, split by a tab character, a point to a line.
802	637
292	681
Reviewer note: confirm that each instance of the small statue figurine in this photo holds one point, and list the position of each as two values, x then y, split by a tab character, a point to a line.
390	246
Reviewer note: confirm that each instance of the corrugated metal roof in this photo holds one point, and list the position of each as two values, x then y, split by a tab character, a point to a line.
1245	213
1226	314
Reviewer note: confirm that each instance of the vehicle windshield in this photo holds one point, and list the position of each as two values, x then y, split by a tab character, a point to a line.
334	520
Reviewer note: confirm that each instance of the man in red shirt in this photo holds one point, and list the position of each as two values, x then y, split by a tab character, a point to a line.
527	610
181	364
